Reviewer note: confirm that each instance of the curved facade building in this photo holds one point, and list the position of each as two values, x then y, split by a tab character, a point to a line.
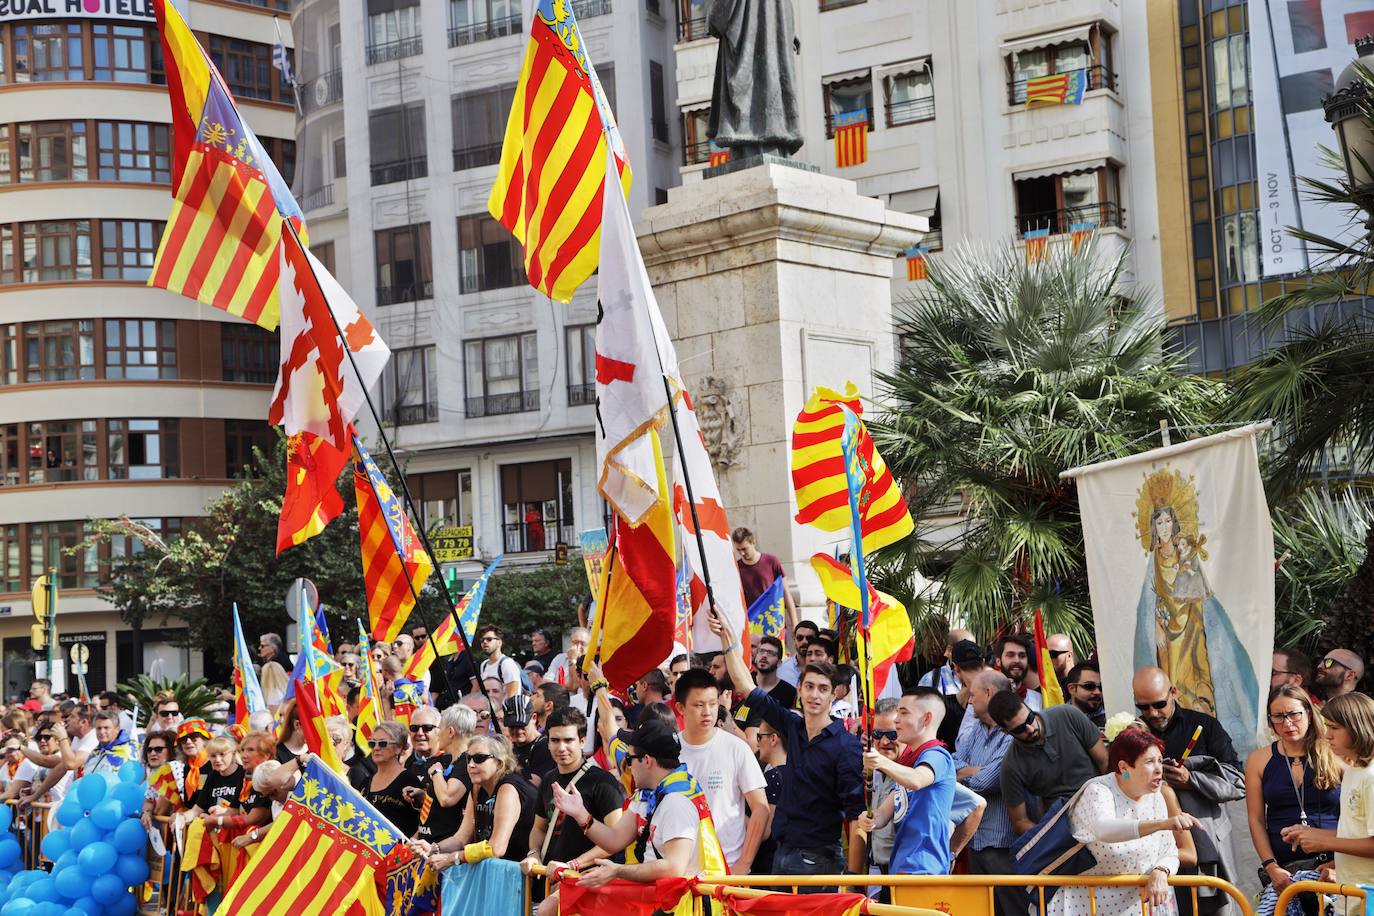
114	398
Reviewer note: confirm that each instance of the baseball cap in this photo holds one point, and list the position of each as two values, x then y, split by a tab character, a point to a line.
515	712
653	737
965	652
535	666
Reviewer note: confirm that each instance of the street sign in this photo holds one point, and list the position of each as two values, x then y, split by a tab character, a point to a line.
560	553
43	599
452	544
293	598
79	655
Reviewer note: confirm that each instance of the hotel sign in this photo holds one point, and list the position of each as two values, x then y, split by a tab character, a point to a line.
38	10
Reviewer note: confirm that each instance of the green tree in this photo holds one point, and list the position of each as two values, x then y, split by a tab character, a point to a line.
1320	538
1010	373
522	598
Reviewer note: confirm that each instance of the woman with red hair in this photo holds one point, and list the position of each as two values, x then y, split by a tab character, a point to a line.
1123	819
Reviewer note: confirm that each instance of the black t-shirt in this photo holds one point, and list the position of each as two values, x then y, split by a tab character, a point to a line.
601	792
546	659
249	799
948	732
219	790
519	843
534	758
391	802
440	823
360	769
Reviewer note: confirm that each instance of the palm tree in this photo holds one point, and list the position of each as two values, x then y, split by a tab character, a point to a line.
1009	374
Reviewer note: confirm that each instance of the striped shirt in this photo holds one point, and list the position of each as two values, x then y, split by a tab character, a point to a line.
984	746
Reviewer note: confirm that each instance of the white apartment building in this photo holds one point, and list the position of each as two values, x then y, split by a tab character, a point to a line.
490	395
114	398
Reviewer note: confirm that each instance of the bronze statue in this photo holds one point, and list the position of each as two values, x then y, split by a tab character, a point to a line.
754	101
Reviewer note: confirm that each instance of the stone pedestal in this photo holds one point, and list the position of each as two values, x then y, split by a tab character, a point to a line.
772	281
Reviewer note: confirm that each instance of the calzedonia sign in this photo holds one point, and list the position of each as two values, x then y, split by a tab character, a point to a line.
38	10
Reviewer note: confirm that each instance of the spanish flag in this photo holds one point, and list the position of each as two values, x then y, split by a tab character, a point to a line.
549	188
1050	691
391	553
890	637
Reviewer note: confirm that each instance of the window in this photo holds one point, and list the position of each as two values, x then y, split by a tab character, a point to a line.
488	255
410	387
1230	71
658	112
445	498
691	20
11	466
502	375
57	250
1240	248
397	139
581	365
47	53
324	251
51	151
129	151
246	66
908	95
126	54
340	159
1058	201
8	272
128	247
140	348
283	156
10	546
404	271
63	450
1089	51
536	502
59	351
696	146
480	20
249	353
9	355
479	126
848	95
240	438
393	30
48	546
142	449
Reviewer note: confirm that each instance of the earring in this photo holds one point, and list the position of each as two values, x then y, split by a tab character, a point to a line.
1125	774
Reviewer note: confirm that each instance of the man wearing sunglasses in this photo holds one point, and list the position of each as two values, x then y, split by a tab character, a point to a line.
1061	654
1053	753
1084	683
1209	777
1338	673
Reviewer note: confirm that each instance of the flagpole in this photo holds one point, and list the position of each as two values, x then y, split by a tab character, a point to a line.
691	497
594	639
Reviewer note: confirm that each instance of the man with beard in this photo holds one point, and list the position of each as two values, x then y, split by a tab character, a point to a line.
767	657
531	748
1084	684
1338	673
802	634
1061	654
1013	658
1210	777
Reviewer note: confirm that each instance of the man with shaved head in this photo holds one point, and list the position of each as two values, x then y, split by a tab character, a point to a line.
1201	765
1338	673
1061	654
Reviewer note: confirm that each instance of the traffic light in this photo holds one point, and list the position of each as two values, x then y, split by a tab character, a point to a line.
38	637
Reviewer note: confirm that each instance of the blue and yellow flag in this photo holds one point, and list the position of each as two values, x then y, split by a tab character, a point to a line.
369	703
766	616
1057	88
248	696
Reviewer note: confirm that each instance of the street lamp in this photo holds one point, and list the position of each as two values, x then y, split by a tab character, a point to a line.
1348	109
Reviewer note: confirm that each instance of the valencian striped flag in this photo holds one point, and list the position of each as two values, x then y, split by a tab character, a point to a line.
1057	88
719	154
916	264
391	552
851	138
369	704
552	177
818	473
1037	243
890	637
446	637
322	856
220	243
1079	233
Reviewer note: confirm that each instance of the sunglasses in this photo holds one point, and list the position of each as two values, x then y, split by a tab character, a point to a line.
479	759
1328	662
156	749
635	756
380	743
45	737
1090	686
1055	653
485	716
1021	729
763	735
422	728
168	713
1293	716
884	734
1157	704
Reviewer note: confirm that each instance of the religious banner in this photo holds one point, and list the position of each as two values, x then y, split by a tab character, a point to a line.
1181	556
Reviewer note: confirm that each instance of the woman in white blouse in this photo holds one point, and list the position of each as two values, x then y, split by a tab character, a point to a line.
1123	818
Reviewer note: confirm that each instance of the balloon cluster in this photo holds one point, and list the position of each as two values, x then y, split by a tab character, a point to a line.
98	857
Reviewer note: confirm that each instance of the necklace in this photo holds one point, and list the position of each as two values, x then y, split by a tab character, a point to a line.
1299	784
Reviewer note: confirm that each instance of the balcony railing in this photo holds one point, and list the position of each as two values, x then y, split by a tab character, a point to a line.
910	111
405	292
586	9
830	121
696	153
1062	221
320	197
493	405
472	32
403	170
1099	77
395	50
472	157
581	395
324	90
527	537
413	414
691	29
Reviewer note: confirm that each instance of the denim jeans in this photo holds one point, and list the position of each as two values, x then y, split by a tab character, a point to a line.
809	860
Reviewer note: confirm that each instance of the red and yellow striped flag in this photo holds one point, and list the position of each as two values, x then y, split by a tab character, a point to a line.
391	552
311	720
219	246
312	497
916	268
549	188
890	637
818	474
851	138
369	703
1050	691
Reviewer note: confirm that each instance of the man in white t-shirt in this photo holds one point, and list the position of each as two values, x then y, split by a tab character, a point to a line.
560	669
498	666
726	769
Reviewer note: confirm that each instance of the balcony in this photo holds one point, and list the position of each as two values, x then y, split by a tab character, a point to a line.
402	170
320	197
473	157
910	111
324	91
395	50
581	395
486	30
830	121
586	9
405	292
1062	221
691	29
494	405
1099	77
413	414
527	537
696	153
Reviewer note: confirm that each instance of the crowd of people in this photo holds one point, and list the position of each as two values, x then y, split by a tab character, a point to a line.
755	762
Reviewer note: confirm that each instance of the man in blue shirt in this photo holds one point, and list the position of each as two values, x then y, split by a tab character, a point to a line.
822	785
921	799
978	756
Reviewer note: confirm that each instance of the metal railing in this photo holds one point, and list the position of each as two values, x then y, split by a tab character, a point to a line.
527	537
413	414
586	9
910	111
830	120
472	157
401	170
324	90
1099	77
406	292
485	30
580	395
696	153
493	405
1061	221
322	196
691	29
395	50
1317	887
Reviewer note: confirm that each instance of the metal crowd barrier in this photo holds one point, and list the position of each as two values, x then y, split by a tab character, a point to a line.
1316	887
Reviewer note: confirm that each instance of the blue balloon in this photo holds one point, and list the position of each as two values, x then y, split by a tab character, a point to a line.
56	843
86	906
130	796
106	889
97	859
129	837
90	790
122	906
41	891
107	814
68	860
133	869
49	908
69	812
71	883
6	817
21	907
131	771
9	850
84	834
6	876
